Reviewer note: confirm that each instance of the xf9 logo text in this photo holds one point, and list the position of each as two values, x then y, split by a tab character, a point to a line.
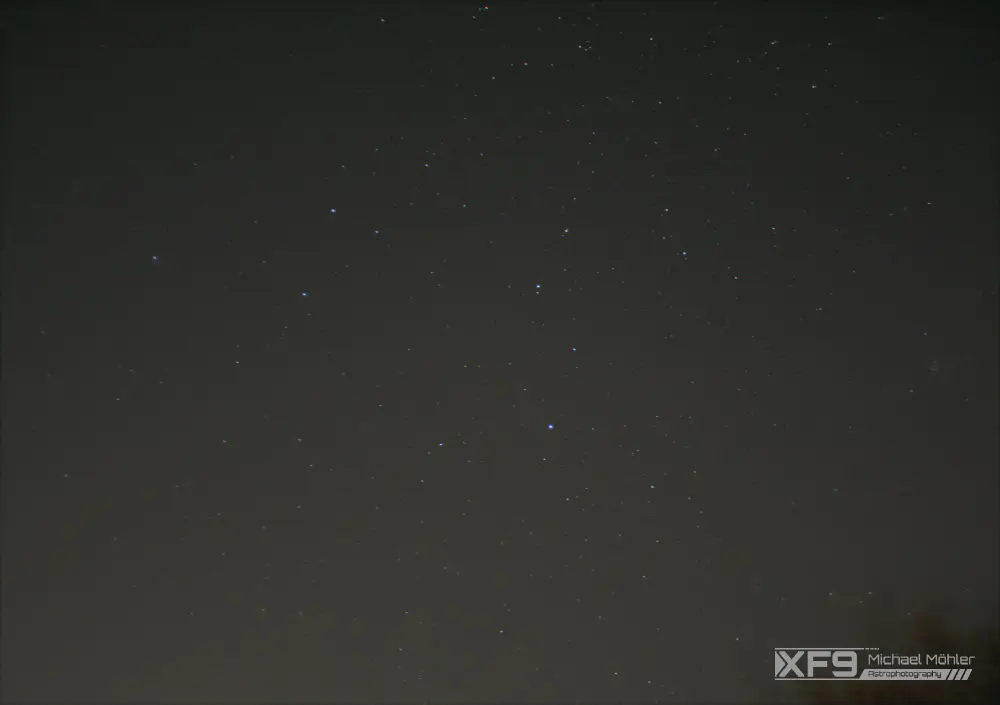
815	663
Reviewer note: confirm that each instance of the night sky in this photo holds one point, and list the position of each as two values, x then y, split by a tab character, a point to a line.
472	354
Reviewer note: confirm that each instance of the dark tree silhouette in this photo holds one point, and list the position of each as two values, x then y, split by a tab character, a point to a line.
931	632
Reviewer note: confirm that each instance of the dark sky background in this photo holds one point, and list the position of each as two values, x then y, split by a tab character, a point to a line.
470	354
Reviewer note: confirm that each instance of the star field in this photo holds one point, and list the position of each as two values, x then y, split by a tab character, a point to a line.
489	353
